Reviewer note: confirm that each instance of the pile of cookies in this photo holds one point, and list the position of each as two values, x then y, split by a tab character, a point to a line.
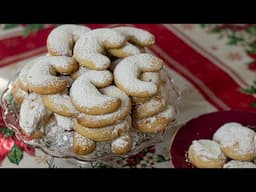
233	146
98	84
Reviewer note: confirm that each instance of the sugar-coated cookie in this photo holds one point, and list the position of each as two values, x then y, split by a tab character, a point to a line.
60	104
42	77
121	145
206	153
156	122
106	133
33	116
127	71
61	40
18	94
89	49
239	164
236	141
96	121
82	145
88	99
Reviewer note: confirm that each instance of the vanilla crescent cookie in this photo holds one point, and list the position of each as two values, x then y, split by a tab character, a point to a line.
62	64
18	94
206	153
136	36
156	122
79	72
86	97
153	77
33	116
239	164
126	50
89	49
60	103
128	70
104	74
104	77
22	79
82	145
42	77
96	121
121	145
61	40
154	105
236	141
106	133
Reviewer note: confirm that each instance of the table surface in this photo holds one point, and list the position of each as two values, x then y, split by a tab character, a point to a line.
212	65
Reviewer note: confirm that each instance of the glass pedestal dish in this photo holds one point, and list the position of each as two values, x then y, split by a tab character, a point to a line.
58	145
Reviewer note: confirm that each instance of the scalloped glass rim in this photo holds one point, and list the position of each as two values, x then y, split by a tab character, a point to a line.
11	119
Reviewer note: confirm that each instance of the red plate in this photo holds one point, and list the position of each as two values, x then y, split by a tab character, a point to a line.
203	127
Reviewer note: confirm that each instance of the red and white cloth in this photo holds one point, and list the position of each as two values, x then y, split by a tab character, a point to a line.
209	71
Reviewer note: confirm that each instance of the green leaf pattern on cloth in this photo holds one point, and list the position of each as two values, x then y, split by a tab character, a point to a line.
243	35
15	155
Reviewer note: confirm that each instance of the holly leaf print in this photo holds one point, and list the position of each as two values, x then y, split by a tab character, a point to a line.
161	158
203	25
251	48
32	28
15	155
10	26
234	40
250	90
251	30
7	132
253	104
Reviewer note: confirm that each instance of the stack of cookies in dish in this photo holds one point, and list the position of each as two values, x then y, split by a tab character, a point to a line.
98	84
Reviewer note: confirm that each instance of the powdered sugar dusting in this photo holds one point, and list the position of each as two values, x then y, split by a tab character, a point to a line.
169	114
90	46
85	94
128	49
239	164
121	142
208	149
62	38
32	113
88	49
40	74
112	91
151	105
137	35
153	77
128	70
109	37
65	64
24	73
100	78
231	134
79	72
19	92
82	141
113	130
62	100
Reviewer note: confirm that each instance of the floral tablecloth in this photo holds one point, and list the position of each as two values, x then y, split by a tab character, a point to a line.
213	65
